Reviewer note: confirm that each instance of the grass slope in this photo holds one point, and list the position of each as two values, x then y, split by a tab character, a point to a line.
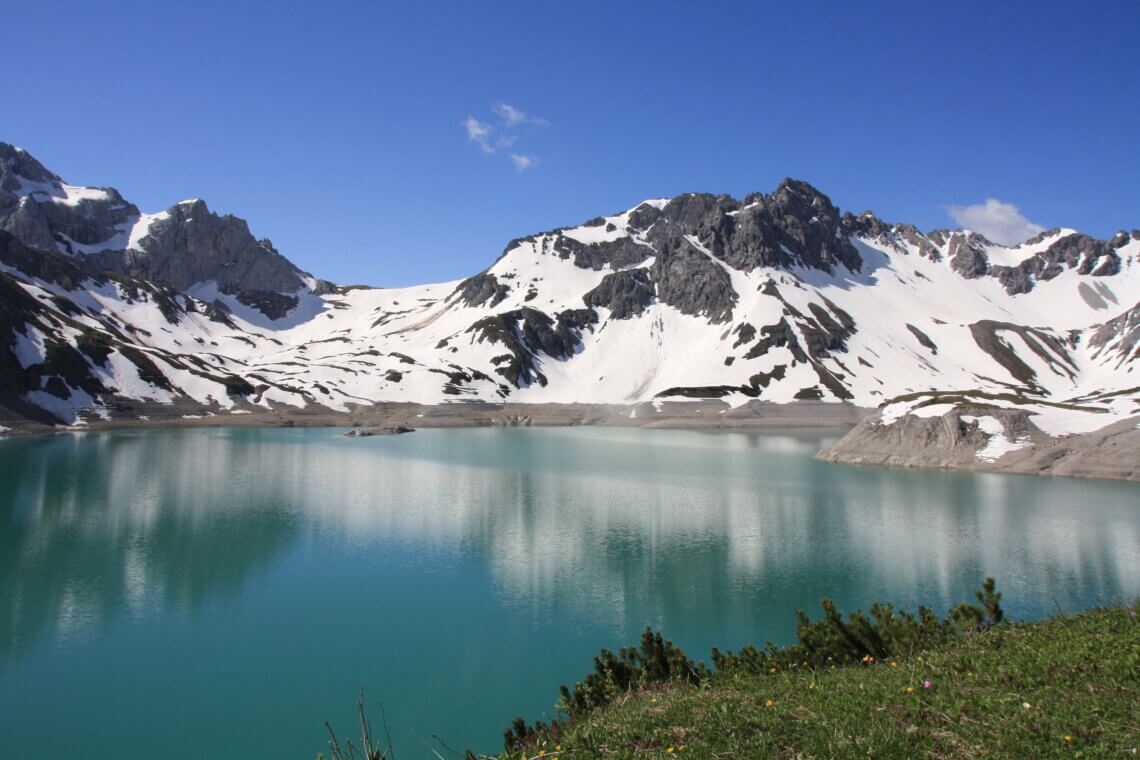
1061	688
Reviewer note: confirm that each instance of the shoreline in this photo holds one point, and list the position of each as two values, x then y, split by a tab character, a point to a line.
1077	456
708	415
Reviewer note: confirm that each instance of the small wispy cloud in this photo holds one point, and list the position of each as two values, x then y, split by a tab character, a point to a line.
1001	222
491	138
512	116
479	133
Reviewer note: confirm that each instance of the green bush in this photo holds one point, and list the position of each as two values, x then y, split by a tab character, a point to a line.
830	641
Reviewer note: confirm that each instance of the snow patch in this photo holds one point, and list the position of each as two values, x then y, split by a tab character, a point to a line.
999	444
29	348
141	228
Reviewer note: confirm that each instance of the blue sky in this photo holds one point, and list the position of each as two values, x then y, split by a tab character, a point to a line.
341	131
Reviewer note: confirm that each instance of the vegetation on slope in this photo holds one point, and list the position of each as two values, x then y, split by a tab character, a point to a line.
884	684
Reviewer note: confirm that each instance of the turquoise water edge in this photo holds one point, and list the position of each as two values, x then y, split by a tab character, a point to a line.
206	592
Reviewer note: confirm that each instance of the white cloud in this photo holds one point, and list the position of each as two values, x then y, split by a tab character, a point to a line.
479	133
1000	222
491	139
512	116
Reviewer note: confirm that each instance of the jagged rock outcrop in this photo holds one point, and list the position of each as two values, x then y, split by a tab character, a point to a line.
988	438
193	245
690	281
526	334
44	212
967	254
482	289
796	225
951	439
1081	252
1118	338
616	254
625	293
181	247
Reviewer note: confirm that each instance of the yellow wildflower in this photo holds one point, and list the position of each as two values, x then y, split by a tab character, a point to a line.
910	690
894	664
769	703
670	750
1068	738
773	670
653	701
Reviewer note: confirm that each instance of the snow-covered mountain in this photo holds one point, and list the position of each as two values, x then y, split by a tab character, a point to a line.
108	312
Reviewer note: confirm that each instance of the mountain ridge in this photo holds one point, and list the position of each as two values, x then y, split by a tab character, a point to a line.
113	314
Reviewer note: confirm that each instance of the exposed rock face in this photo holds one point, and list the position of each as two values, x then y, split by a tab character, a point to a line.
626	293
796	225
967	254
617	254
16	163
956	439
941	441
194	245
1120	336
526	333
1049	348
779	335
1086	254
37	209
186	245
271	304
42	264
681	216
690	281
922	338
482	289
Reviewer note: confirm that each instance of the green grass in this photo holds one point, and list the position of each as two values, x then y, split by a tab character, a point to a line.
1062	688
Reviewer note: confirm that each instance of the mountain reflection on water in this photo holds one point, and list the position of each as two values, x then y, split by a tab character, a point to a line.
201	551
95	526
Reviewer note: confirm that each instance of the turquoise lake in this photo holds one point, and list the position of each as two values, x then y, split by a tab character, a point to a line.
223	592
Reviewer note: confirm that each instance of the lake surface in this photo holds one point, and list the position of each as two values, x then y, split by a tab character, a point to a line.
223	592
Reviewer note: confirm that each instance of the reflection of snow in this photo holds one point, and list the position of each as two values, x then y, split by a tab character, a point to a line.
599	521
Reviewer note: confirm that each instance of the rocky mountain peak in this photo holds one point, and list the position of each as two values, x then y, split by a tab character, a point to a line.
184	246
16	162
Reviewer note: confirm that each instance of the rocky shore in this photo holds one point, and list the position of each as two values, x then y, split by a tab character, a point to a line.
712	414
962	438
991	440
